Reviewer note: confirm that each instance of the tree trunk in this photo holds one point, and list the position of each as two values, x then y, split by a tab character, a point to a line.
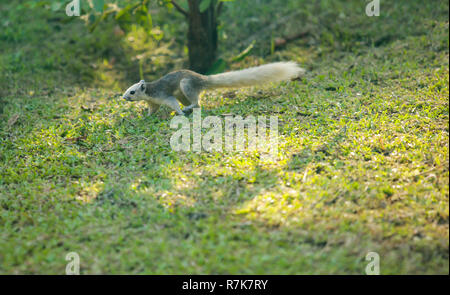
202	36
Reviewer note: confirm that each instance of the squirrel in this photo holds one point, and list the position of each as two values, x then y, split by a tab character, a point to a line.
185	85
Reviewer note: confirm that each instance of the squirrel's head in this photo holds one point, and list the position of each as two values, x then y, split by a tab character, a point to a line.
135	92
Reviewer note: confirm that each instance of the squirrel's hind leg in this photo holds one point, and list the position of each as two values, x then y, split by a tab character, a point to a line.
191	92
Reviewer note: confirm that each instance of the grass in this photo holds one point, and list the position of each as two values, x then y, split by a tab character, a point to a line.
362	165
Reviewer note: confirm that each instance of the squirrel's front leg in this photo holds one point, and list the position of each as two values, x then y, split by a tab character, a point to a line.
172	102
152	108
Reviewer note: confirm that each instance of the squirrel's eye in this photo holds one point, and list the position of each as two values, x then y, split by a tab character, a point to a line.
131	92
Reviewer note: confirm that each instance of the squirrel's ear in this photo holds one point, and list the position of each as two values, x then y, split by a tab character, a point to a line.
142	85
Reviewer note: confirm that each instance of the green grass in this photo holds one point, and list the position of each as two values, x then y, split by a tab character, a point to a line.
362	165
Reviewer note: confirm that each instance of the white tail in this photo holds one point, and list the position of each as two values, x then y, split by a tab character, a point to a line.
273	72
